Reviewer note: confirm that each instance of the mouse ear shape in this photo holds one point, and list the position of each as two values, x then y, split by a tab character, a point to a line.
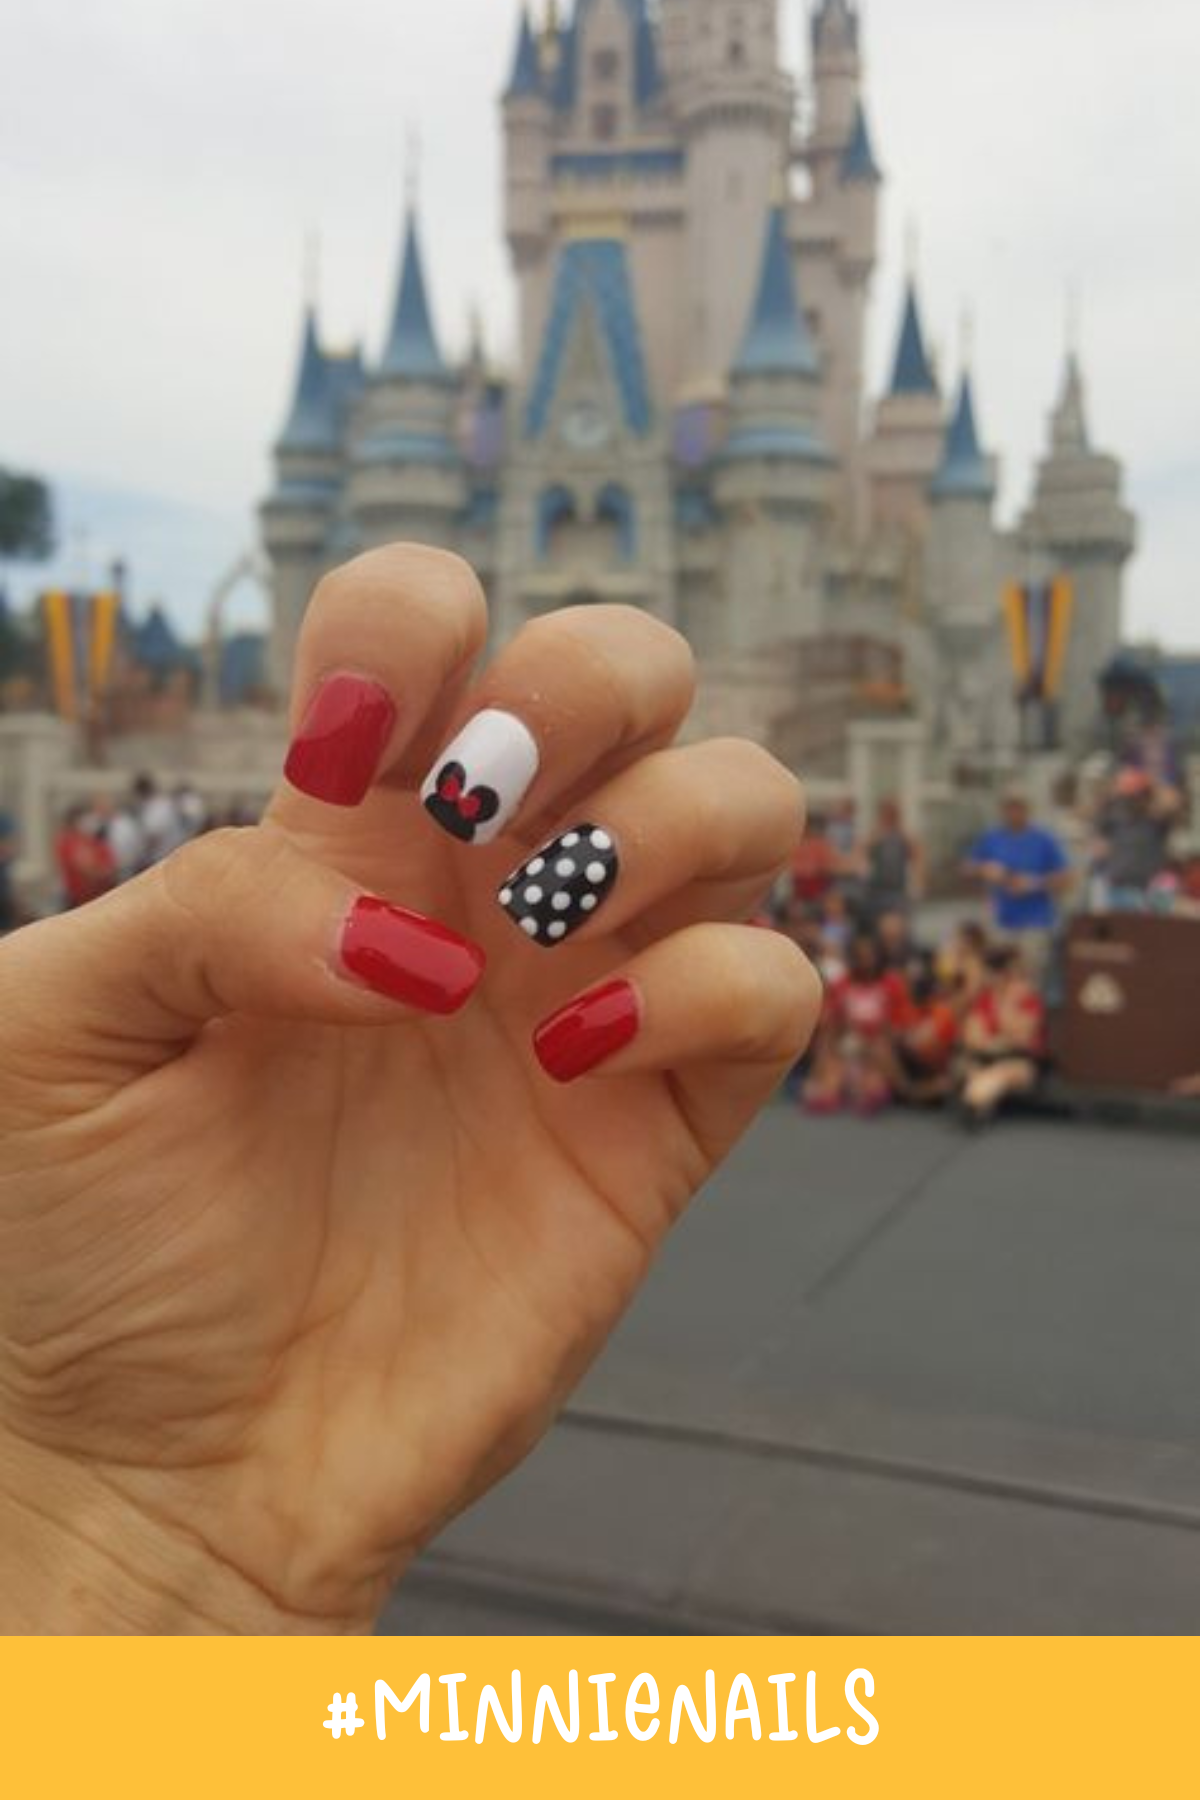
489	804
451	781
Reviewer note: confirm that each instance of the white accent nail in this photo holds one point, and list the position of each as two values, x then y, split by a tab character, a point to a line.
498	756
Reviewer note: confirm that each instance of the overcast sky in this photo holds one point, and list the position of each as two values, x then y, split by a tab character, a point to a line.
161	162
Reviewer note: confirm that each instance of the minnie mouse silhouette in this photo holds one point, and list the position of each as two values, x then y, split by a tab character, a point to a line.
458	809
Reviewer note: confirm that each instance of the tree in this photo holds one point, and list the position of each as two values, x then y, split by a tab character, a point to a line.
26	517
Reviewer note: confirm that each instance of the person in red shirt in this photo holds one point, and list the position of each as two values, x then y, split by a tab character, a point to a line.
854	1059
86	865
925	1040
814	866
1004	1037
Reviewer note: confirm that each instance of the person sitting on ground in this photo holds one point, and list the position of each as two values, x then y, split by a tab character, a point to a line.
962	966
853	1061
1004	1038
894	935
924	1041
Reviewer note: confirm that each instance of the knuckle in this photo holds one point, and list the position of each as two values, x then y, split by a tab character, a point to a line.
774	994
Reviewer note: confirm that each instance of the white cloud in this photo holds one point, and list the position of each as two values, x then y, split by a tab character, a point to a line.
162	160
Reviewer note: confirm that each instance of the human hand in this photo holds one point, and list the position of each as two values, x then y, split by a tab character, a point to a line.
290	1271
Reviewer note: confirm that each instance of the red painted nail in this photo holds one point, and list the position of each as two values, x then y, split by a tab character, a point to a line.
409	957
336	752
587	1032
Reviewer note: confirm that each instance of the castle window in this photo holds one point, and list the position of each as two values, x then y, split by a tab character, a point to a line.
604	123
737	52
556	514
606	65
615	510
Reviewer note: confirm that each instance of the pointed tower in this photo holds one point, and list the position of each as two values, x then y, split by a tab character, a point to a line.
963	580
835	230
1079	525
407	477
773	479
733	104
527	186
905	449
298	515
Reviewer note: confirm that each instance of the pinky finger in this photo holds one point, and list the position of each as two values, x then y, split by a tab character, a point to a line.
725	1009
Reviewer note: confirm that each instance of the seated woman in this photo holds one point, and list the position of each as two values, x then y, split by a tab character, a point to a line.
925	1040
1004	1038
854	1060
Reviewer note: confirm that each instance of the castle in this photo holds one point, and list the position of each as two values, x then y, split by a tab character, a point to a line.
688	428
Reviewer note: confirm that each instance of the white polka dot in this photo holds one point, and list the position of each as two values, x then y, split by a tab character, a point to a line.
529	927
565	867
557	930
533	896
536	866
596	872
506	895
561	902
570	841
589	903
601	840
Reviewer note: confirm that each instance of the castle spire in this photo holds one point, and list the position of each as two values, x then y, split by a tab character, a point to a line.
1068	422
777	340
412	348
526	77
913	372
835	24
308	424
858	158
965	473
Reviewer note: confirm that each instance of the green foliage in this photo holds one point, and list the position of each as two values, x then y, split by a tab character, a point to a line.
26	517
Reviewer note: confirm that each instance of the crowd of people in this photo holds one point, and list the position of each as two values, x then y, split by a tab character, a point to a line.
105	841
963	1021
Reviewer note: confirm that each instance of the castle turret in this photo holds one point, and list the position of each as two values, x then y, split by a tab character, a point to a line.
527	117
1078	525
407	477
906	447
835	229
298	514
773	478
733	105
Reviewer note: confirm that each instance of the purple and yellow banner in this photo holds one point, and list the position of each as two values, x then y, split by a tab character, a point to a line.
1039	615
81	636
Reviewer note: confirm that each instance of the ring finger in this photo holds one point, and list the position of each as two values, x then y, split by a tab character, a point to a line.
721	818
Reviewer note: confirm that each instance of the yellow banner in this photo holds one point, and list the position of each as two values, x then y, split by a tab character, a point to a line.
60	646
602	1717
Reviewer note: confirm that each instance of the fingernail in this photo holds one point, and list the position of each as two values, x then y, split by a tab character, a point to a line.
477	785
559	889
409	958
335	754
588	1031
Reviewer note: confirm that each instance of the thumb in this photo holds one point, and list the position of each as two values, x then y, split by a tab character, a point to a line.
238	921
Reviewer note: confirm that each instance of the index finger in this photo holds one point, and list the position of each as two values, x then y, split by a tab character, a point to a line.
387	644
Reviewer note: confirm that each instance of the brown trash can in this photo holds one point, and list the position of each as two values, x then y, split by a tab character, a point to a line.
1132	1017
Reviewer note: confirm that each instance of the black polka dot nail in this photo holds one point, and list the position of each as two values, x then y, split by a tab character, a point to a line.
559	889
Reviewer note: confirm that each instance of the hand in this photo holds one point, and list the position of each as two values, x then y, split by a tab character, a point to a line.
293	1264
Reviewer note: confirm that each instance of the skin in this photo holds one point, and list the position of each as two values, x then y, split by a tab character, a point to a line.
289	1274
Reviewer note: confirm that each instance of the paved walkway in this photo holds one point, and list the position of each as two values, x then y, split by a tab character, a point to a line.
886	1378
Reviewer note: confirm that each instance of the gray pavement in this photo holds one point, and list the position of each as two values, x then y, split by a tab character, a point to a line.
885	1378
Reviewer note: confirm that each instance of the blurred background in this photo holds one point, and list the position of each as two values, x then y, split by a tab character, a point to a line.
852	341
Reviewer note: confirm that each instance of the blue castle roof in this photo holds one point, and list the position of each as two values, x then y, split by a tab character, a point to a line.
412	349
777	340
526	77
964	473
309	422
913	373
858	158
593	273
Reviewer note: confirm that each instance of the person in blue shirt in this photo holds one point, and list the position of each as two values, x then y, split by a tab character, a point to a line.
1026	872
